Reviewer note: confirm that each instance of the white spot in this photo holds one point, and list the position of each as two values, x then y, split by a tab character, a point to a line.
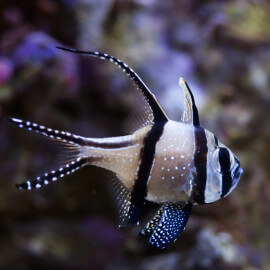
56	131
28	185
16	120
46	182
176	167
21	126
182	156
35	125
54	178
184	168
28	123
172	157
165	158
68	134
162	168
41	127
38	185
52	171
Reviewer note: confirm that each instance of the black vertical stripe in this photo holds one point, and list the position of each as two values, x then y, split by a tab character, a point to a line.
200	162
216	140
225	164
139	191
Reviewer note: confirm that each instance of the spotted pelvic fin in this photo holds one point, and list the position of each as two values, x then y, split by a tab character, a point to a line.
168	223
155	112
190	114
152	224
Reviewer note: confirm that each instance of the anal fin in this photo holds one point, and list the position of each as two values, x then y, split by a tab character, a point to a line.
168	223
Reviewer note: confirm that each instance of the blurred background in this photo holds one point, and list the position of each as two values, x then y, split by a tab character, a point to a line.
222	49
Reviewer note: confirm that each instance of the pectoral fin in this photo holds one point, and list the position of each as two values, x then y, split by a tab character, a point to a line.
190	114
124	203
168	223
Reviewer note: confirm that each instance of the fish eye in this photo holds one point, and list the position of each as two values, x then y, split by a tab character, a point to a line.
223	159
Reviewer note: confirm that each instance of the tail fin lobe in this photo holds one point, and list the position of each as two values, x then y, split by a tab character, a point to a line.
53	175
53	134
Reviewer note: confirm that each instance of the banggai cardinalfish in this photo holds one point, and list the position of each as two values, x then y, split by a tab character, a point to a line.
174	164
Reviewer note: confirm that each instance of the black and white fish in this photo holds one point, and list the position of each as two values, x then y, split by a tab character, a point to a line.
174	164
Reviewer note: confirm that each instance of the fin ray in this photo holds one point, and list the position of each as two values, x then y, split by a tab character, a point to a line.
53	175
122	196
151	225
60	136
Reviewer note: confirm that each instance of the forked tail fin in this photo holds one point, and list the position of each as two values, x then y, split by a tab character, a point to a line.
70	141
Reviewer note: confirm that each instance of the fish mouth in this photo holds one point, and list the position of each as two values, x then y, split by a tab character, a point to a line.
238	172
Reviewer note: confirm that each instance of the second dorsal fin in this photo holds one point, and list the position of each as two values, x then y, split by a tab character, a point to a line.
190	114
156	113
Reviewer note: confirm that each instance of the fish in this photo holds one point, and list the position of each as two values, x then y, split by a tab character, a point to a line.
174	164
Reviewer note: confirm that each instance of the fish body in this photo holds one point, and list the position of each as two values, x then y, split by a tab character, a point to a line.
174	164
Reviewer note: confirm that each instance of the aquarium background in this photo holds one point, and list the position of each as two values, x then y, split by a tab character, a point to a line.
221	48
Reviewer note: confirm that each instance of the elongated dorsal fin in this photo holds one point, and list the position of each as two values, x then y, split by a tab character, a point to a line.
156	114
190	114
